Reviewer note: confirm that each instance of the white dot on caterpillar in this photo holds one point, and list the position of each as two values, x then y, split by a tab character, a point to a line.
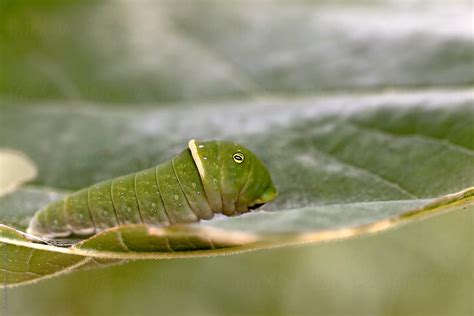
205	158
200	146
153	204
176	197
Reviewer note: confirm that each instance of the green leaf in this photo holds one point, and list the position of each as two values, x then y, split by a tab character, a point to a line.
24	262
347	156
340	172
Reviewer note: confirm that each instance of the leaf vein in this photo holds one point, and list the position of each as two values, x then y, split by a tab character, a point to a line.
442	141
122	242
21	272
368	172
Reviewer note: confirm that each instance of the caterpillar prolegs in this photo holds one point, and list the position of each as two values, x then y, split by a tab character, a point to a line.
204	179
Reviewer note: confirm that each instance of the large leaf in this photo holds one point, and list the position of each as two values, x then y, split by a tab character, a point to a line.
422	268
340	172
345	163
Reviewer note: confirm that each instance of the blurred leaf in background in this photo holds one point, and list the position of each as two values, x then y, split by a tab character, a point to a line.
94	89
160	51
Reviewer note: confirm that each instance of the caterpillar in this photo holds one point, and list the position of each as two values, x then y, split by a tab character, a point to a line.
204	179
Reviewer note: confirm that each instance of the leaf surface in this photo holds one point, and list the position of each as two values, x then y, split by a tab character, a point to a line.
303	86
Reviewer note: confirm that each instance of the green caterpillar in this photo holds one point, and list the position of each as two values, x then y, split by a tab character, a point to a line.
206	178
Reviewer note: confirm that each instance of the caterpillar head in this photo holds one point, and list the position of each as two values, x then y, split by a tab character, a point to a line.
234	178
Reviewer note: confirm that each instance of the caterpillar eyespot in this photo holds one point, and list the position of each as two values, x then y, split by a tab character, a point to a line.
238	157
194	185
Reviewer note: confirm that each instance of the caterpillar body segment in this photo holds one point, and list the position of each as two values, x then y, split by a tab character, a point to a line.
191	184
101	206
149	198
176	204
206	178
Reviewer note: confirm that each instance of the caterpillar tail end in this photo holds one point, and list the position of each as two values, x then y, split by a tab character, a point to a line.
39	227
